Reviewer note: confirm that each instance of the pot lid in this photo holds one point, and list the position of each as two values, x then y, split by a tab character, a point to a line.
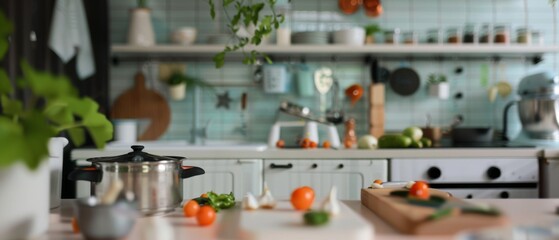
137	155
539	85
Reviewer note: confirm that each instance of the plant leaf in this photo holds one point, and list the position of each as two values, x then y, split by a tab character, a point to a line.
11	135
11	107
5	30
212	9
36	134
77	135
99	127
5	84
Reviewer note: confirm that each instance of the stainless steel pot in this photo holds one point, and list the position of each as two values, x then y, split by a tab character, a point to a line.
156	181
538	107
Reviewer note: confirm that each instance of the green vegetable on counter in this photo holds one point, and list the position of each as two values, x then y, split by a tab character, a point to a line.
316	218
217	201
394	141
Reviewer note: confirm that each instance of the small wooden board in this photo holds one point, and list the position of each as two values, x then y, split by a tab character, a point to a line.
139	102
412	219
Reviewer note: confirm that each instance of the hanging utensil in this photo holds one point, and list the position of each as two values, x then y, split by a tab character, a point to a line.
323	81
335	114
349	6
373	8
243	114
404	81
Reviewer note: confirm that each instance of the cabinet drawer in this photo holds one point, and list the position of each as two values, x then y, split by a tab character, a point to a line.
349	176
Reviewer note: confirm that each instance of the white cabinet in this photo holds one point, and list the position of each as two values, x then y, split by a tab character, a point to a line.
349	176
223	176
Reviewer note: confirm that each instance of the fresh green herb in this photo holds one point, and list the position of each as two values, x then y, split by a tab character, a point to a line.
247	14
177	78
372	29
53	106
441	213
436	78
142	4
217	201
316	218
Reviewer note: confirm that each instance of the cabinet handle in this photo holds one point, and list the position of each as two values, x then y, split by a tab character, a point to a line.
286	166
340	166
314	165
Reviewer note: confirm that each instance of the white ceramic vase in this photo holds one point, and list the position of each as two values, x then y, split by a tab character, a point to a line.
440	90
178	92
140	29
24	196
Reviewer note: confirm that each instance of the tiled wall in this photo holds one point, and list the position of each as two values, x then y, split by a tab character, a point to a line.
418	15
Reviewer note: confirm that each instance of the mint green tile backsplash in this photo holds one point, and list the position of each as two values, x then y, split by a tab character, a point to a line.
418	15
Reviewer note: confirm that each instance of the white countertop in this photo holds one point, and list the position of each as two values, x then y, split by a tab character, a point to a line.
262	153
520	212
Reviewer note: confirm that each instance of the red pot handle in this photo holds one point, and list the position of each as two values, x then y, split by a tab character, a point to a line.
189	171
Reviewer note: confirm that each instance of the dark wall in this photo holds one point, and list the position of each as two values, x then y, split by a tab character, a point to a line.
33	17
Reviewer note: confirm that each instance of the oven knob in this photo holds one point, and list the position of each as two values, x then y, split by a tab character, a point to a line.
434	172
469	196
504	194
493	172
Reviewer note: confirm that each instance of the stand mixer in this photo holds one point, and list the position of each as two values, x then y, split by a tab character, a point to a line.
309	124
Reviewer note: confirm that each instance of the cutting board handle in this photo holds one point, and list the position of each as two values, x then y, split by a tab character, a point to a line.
140	81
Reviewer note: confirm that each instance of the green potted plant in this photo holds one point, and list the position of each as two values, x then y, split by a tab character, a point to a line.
178	82
246	15
27	128
370	31
438	86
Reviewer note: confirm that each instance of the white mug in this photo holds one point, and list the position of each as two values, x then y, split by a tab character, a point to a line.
126	130
184	36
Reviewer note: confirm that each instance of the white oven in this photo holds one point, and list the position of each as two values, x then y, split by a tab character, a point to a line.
472	177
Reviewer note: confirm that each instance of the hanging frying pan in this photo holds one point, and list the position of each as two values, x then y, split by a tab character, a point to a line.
404	81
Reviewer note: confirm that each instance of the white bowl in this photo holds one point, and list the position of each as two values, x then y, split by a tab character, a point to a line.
184	36
351	36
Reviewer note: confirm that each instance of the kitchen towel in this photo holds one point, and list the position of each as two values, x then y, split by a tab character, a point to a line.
69	32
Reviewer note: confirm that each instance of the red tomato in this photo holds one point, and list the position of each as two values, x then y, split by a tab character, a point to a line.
205	216
420	190
378	181
280	143
313	144
191	208
302	198
326	144
306	143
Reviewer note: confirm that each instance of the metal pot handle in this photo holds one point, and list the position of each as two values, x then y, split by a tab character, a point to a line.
505	119
188	171
89	173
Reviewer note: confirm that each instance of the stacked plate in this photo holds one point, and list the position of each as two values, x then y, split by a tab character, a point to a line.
311	38
351	36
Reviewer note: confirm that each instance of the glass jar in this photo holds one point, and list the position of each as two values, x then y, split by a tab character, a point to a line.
470	34
523	36
453	36
392	36
502	34
537	38
434	36
485	34
410	37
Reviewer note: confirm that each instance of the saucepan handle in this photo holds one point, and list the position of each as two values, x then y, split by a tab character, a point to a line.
90	173
188	171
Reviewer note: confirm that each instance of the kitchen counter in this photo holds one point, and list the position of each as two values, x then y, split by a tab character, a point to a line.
231	153
520	211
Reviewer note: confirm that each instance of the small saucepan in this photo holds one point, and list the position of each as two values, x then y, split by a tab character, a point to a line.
156	181
472	135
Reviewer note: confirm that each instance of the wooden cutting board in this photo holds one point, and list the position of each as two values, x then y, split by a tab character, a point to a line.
412	219
140	102
283	222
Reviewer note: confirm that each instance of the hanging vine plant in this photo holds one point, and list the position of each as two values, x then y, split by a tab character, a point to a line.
247	15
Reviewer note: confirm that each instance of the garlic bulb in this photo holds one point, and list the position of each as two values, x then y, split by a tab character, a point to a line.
376	186
409	184
266	199
250	202
331	204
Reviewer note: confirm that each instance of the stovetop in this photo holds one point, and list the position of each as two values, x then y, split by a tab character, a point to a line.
493	144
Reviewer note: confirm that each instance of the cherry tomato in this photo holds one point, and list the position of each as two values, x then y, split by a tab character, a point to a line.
378	181
420	190
313	144
280	143
191	208
75	226
326	144
302	198
348	143
205	216
306	143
